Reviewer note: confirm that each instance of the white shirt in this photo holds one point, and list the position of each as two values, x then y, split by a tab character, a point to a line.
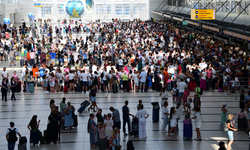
204	75
71	76
181	86
83	77
8	131
104	75
164	95
164	110
5	73
120	61
179	112
143	76
141	114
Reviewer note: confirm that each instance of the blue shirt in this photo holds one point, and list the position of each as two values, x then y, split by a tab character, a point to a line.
53	55
247	98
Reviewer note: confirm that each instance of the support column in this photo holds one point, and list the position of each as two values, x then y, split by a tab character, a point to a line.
113	9
131	13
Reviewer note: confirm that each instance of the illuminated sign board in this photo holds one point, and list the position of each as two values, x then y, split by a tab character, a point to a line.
203	14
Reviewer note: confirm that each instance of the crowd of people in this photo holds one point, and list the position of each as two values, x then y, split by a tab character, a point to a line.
138	56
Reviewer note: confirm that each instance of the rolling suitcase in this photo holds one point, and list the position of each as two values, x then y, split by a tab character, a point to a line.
115	90
78	87
85	104
146	87
22	146
135	127
19	86
21	62
31	88
155	116
39	82
191	85
169	86
158	87
187	129
65	89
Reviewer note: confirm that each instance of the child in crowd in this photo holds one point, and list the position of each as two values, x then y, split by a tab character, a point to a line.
189	105
222	146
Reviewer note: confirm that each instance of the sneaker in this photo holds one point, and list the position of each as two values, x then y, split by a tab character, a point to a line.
47	92
44	91
70	92
82	92
216	90
143	91
225	93
51	143
125	134
87	92
73	92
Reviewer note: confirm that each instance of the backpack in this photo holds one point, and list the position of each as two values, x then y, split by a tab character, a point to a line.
224	126
95	79
201	92
12	135
130	145
102	75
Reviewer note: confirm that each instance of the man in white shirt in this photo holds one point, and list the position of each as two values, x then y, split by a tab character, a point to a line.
164	96
165	114
143	77
84	81
181	86
120	61
5	73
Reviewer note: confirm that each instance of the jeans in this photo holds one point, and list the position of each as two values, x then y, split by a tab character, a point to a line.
165	123
32	62
11	145
27	86
124	125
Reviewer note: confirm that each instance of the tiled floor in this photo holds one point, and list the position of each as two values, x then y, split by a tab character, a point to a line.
26	106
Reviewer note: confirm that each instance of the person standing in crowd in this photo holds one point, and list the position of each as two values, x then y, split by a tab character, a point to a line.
230	130
247	98
52	129
5	74
198	123
69	119
102	135
11	136
139	105
164	96
4	89
52	104
92	130
115	140
203	79
13	85
142	115
173	122
126	119
71	78
63	106
242	98
84	81
109	127
181	86
33	127
92	98
116	117
223	115
142	77
165	114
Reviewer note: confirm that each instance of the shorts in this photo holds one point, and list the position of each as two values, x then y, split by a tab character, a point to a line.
93	99
45	84
71	81
85	61
180	94
84	83
142	84
43	60
136	83
11	58
230	135
52	84
1	54
53	60
105	82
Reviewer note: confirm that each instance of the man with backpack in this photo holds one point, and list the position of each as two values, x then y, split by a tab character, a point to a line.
11	136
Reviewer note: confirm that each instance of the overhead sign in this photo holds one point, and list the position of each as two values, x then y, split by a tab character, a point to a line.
184	23
6	20
38	5
203	14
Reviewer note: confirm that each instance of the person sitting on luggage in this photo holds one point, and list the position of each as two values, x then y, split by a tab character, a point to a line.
11	136
33	127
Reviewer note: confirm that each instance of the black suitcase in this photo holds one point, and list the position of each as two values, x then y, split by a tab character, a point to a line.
75	121
135	127
102	88
153	86
170	86
130	145
115	90
22	140
146	88
78	87
84	104
158	87
21	62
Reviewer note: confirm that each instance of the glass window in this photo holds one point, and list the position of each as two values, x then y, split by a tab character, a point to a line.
122	9
248	8
141	11
45	10
8	1
238	7
60	9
